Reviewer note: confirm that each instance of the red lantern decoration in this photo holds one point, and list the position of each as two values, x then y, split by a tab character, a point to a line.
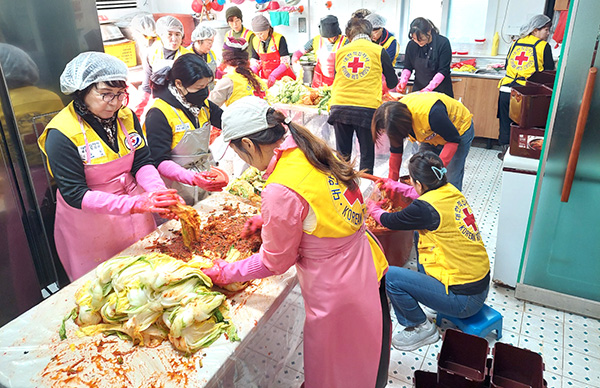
216	6
197	6
328	4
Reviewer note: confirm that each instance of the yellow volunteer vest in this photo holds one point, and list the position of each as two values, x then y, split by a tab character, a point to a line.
357	75
390	41
318	42
66	121
525	57
241	87
339	212
178	120
273	46
420	104
157	54
453	253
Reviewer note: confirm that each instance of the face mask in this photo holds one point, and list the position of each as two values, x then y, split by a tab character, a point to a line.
197	98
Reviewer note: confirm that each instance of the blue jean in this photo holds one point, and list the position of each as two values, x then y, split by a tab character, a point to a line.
456	167
406	288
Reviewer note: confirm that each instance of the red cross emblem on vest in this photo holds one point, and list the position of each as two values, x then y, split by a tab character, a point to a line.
522	58
356	64
469	219
352	196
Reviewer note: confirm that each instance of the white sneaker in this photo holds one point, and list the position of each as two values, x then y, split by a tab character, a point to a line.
424	334
429	312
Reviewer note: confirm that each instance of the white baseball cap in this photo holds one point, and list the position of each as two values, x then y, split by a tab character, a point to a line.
244	117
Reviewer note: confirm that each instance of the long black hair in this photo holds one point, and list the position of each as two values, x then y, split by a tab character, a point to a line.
422	27
427	168
188	68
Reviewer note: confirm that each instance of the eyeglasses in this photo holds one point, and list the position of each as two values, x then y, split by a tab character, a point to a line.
109	97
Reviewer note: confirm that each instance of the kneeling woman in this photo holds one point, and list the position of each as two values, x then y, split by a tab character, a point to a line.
307	197
178	126
454	269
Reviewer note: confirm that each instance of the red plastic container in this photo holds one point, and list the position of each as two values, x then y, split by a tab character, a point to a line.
526	142
424	379
462	360
529	105
514	367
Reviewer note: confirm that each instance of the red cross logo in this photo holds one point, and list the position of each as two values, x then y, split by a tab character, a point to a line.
356	64
521	58
469	219
352	196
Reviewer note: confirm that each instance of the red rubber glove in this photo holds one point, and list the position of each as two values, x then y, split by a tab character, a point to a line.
206	180
394	166
448	152
155	202
252	226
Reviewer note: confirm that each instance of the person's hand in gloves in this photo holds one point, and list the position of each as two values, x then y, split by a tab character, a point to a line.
206	180
215	271
374	210
391	186
223	272
156	202
252	226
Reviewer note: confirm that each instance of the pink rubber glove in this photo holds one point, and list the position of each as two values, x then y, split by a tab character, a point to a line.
149	178
374	210
394	166
434	83
448	152
255	68
222	272
155	202
205	180
106	203
391	186
297	55
401	88
271	81
252	226
277	73
175	172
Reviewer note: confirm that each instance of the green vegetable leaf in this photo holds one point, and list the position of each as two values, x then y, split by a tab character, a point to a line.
62	332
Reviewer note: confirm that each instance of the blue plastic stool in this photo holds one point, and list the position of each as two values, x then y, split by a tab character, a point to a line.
480	324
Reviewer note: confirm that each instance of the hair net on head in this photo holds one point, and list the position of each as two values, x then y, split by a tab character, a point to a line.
18	67
168	23
144	24
536	22
203	32
376	20
89	68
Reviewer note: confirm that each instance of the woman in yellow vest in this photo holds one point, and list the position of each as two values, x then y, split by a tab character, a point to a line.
107	184
383	37
527	55
324	46
178	126
162	53
429	54
270	57
453	267
313	217
239	80
439	123
203	38
356	91
234	18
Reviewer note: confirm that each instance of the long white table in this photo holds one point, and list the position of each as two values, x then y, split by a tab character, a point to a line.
32	354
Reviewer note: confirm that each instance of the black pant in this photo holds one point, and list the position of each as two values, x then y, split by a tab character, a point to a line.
343	142
503	116
386	340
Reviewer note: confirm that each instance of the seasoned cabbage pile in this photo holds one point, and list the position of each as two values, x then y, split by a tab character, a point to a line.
150	298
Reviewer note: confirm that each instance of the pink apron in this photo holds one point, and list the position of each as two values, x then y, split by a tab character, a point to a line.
343	327
84	239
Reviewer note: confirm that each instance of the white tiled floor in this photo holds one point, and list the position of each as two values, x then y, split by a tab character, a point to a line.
568	343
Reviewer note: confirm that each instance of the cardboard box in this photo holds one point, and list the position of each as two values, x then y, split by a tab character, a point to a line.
125	51
526	142
561	5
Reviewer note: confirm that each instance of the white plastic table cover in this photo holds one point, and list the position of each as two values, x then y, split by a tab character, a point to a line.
32	354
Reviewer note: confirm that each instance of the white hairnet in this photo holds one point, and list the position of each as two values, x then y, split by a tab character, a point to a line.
538	21
17	66
203	32
144	24
168	23
377	21
89	68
